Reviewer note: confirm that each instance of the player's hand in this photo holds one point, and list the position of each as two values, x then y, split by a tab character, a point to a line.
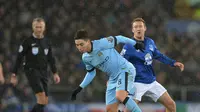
180	65
75	92
56	78
13	79
139	45
2	80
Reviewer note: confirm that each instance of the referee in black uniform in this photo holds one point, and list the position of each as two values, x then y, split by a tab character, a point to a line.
37	53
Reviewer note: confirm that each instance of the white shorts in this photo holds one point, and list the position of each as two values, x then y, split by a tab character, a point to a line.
153	90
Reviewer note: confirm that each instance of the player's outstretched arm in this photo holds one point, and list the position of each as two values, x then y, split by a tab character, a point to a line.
88	78
112	41
126	40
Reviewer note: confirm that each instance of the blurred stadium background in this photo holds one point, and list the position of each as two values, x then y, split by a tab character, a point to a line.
173	24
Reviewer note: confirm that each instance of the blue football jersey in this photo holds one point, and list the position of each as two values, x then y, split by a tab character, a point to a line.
143	60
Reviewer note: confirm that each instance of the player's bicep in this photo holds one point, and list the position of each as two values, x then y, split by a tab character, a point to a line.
106	43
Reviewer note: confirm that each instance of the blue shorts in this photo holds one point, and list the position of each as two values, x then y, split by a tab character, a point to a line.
124	81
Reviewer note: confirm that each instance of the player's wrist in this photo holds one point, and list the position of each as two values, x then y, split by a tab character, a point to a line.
79	89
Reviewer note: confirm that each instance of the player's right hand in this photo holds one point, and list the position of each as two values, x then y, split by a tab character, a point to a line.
75	92
13	79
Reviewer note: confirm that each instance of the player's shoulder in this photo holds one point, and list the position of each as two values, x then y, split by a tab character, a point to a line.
149	40
26	39
95	45
127	46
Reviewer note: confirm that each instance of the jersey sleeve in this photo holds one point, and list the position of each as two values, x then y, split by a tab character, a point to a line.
51	59
105	43
21	52
161	57
88	66
91	73
112	41
124	52
88	78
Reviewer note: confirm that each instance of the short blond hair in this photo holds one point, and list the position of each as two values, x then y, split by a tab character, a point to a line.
139	19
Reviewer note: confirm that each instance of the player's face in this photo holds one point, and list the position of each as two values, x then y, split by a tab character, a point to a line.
138	28
83	45
38	28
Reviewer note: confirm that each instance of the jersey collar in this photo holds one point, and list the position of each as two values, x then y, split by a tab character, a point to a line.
91	47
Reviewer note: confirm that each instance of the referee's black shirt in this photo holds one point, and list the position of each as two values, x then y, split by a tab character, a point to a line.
37	53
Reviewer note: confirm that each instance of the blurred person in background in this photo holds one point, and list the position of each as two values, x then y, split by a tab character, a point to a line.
101	54
2	80
38	54
145	80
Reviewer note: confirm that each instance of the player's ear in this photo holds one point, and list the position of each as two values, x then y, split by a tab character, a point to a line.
145	28
132	30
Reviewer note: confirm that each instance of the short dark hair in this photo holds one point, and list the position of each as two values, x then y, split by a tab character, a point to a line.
139	19
81	34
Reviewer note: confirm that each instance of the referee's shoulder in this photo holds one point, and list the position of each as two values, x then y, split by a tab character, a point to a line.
48	40
26	39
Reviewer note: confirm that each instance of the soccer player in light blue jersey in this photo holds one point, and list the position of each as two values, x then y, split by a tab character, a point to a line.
101	54
145	80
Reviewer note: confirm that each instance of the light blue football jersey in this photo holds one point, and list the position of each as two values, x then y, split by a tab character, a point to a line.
104	56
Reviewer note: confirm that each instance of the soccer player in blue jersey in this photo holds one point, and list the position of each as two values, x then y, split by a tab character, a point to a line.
101	54
145	80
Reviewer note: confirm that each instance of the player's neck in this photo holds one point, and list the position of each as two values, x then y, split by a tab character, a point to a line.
139	38
38	36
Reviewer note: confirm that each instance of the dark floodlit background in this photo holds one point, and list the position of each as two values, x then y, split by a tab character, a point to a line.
173	24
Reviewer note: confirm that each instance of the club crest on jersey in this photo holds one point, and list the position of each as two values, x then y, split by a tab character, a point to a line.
100	53
110	39
148	59
46	51
151	47
35	50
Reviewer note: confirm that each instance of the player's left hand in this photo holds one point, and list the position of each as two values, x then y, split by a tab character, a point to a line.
75	92
56	78
180	65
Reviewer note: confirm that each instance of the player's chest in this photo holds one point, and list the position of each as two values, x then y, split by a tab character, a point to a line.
99	58
146	54
38	47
